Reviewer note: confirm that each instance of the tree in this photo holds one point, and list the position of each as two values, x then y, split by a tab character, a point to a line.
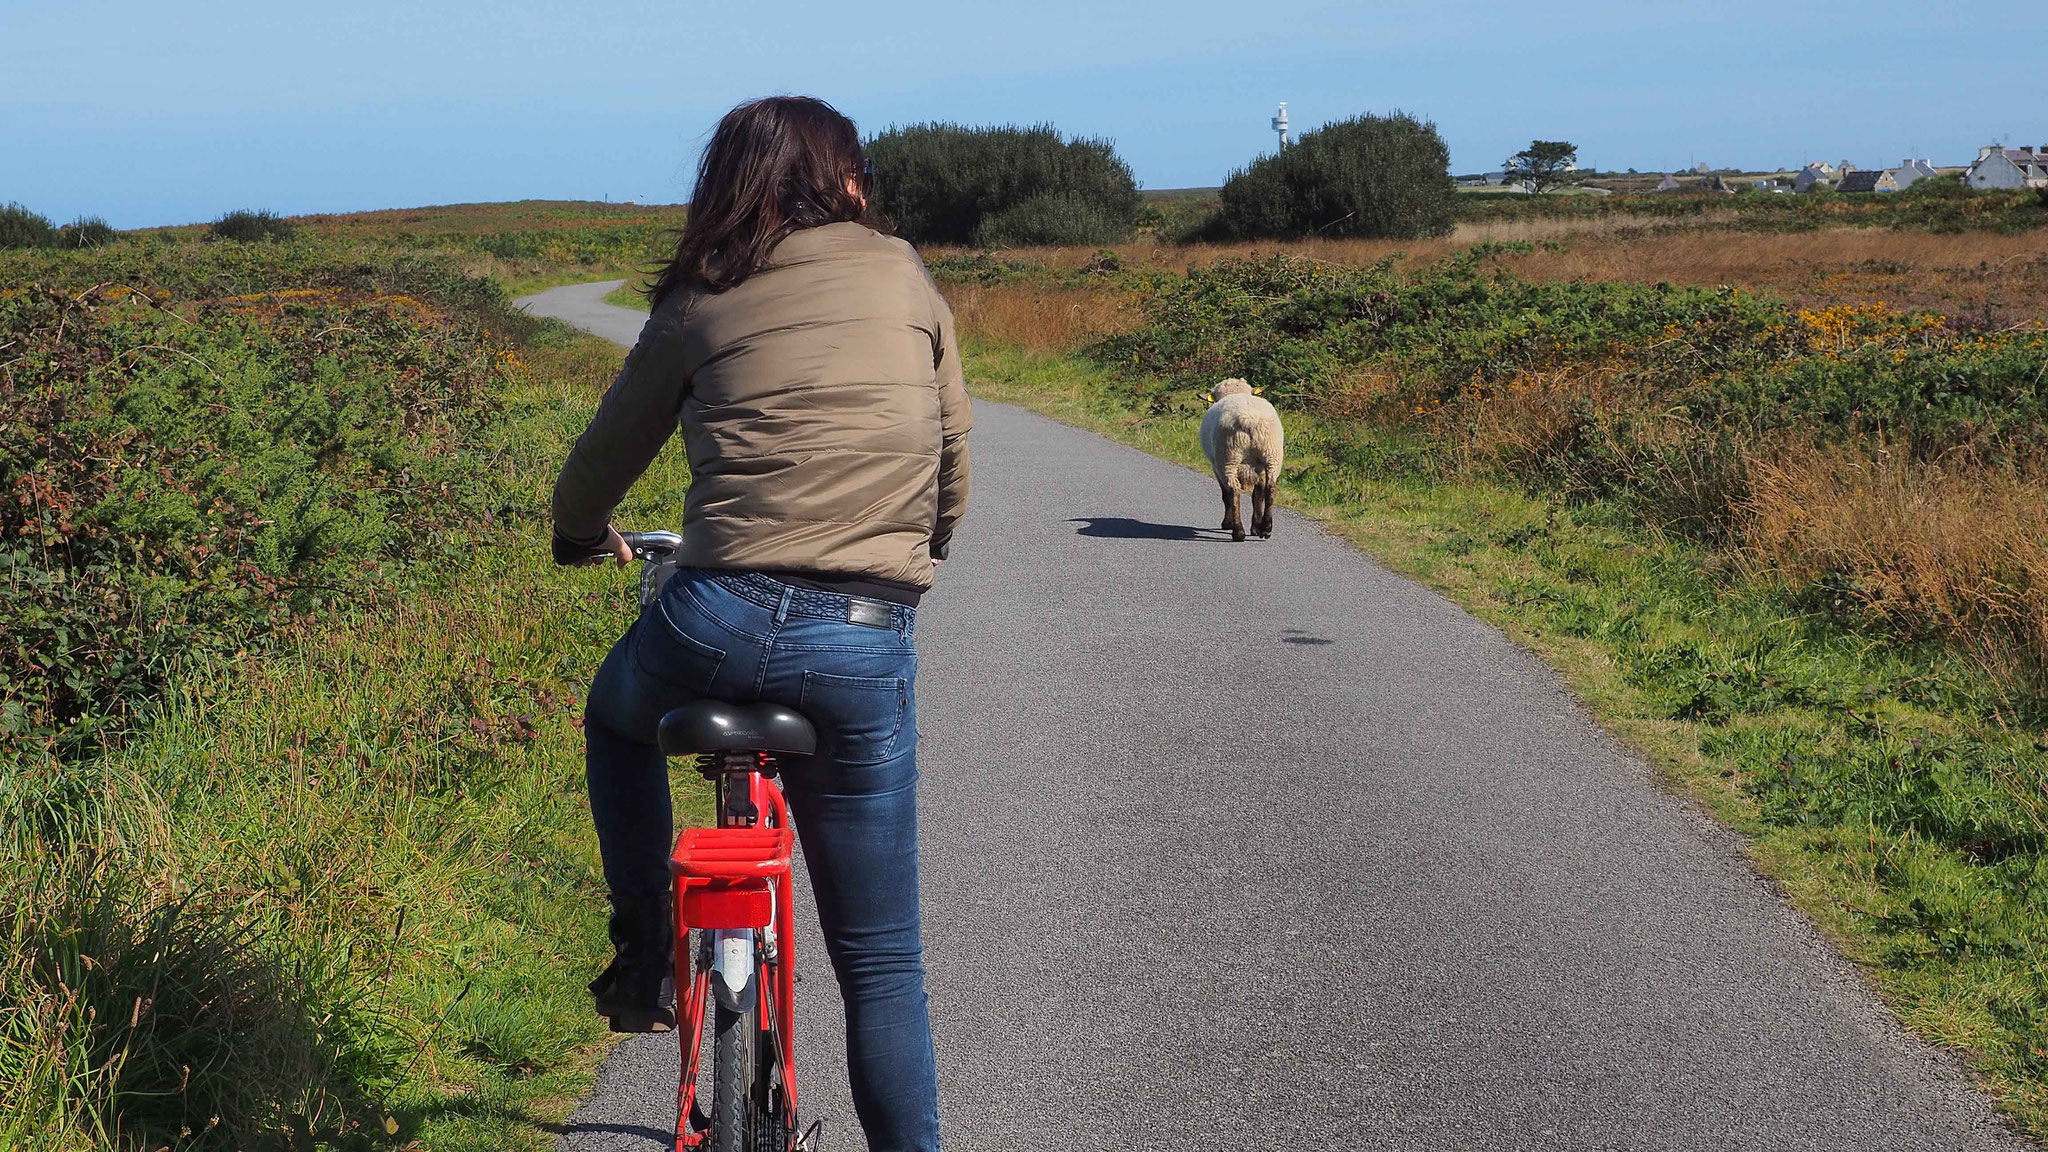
1543	163
1377	176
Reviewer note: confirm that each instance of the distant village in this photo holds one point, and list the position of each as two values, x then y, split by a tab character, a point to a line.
1996	166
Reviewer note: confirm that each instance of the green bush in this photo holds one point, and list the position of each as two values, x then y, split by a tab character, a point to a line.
176	482
87	232
1374	176
948	184
246	225
1053	219
21	228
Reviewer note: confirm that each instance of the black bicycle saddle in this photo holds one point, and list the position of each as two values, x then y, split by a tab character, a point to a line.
716	726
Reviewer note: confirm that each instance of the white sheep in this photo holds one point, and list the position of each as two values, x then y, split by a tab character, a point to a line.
1241	437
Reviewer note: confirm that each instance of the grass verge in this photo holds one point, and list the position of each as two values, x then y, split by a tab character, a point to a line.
335	887
1880	785
627	295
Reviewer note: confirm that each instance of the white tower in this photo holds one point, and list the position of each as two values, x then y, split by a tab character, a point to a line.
1280	125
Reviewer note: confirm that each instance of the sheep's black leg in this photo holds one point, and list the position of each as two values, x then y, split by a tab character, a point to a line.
1262	510
1231	522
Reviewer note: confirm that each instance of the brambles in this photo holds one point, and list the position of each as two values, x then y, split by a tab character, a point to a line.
1373	176
247	226
949	184
21	228
183	469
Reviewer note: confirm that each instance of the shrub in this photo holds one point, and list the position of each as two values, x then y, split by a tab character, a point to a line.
1053	219
1373	176
942	183
21	228
246	225
87	232
174	483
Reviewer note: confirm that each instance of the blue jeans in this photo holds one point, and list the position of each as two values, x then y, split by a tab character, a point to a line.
743	637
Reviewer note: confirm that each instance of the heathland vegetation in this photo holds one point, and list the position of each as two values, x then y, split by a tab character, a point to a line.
290	809
290	799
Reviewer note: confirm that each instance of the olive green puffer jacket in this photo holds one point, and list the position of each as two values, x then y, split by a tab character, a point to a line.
822	407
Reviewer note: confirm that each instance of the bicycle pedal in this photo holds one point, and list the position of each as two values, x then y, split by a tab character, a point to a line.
808	1141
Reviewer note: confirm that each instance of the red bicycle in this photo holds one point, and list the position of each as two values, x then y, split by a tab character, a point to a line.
735	947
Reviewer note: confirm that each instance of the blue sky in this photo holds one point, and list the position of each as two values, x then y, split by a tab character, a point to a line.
151	113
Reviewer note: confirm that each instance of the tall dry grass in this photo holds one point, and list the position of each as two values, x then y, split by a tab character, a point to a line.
1040	318
1989	278
1954	550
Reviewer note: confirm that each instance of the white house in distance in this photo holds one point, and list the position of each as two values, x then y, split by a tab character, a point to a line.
2000	167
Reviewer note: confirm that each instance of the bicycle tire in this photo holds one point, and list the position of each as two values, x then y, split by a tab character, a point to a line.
733	1049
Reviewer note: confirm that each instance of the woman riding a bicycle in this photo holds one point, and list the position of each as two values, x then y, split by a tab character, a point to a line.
813	370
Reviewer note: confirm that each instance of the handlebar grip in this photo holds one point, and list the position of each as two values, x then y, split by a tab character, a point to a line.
652	545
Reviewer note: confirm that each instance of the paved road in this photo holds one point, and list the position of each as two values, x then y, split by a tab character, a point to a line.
1261	845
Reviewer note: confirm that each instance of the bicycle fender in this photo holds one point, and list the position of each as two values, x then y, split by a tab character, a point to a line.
734	958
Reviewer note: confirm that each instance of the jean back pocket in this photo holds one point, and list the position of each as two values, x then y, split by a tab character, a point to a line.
859	718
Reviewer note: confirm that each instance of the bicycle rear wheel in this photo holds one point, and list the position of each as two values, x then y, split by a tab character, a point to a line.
734	1052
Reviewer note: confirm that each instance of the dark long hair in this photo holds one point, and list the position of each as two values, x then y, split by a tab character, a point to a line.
774	166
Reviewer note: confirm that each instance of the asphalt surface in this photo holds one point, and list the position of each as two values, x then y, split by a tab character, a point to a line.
1261	845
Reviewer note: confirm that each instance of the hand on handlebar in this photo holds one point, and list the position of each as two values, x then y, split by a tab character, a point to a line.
614	550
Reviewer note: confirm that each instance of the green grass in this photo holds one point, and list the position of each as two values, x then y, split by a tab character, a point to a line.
627	295
337	886
1877	784
394	799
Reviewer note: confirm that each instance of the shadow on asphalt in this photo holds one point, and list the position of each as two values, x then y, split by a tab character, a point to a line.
1125	528
660	1136
1299	638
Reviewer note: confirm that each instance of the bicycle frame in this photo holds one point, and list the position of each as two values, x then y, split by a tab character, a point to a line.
730	883
735	878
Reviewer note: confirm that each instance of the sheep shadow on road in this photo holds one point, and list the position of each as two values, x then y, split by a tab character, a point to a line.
1125	528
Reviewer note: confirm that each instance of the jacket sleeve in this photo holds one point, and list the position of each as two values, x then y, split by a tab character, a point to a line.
956	418
636	417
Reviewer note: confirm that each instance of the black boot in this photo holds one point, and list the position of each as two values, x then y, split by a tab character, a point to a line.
638	990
